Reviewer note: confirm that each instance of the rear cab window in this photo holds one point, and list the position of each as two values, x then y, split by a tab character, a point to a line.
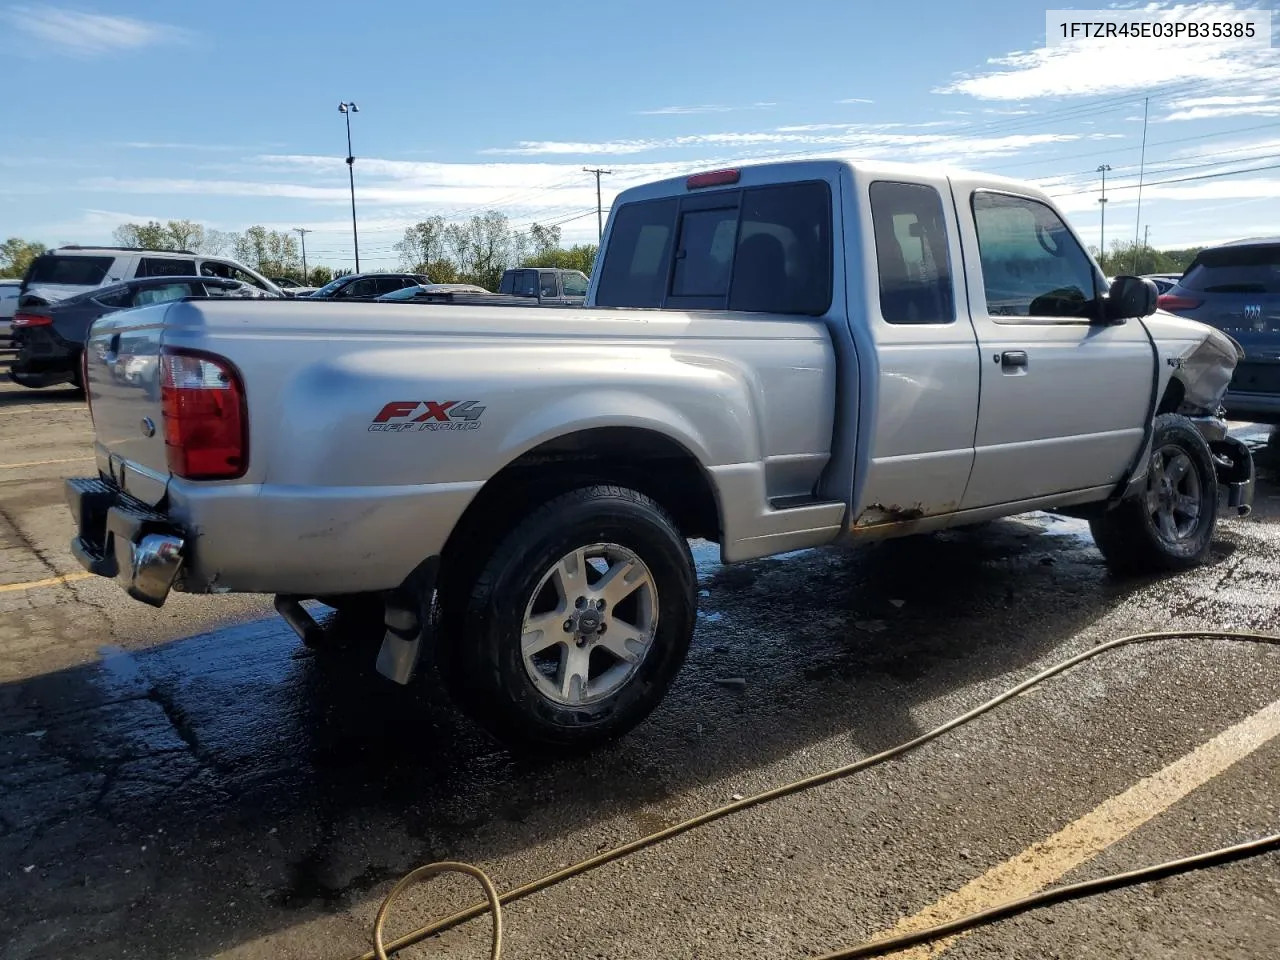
760	249
53	268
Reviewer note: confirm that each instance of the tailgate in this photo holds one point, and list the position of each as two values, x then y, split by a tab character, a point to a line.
122	363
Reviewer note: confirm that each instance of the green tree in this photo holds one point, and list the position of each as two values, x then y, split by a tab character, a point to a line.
578	257
272	252
482	248
16	255
151	235
1128	257
423	243
320	276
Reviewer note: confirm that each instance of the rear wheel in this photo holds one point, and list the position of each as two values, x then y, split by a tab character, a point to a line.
577	623
1170	524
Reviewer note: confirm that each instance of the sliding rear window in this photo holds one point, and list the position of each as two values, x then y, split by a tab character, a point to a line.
762	249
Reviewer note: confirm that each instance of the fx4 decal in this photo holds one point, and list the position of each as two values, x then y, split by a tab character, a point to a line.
403	416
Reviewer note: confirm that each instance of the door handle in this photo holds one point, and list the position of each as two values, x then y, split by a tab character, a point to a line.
1013	359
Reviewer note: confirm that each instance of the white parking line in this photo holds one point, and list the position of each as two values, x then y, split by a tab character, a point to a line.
1110	822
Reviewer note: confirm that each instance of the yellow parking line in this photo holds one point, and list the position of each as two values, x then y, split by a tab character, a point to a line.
50	582
1048	861
41	463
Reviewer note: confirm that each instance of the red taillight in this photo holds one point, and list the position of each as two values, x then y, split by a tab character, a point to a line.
716	178
1171	301
25	319
206	427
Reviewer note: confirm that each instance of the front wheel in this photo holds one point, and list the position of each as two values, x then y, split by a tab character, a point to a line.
1170	524
577	624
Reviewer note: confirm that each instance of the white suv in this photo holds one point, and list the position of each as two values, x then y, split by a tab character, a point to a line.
67	271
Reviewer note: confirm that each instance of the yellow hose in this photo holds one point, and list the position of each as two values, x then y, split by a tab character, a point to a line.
494	902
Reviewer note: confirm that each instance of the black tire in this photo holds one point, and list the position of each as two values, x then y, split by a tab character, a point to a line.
479	654
1137	537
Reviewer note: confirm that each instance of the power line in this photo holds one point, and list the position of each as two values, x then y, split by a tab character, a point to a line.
1157	183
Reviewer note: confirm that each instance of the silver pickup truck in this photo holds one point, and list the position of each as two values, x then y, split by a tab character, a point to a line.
774	357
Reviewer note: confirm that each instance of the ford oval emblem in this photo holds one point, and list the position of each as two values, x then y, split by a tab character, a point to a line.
148	427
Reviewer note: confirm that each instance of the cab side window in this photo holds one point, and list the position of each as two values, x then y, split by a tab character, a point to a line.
913	262
547	286
1031	264
575	284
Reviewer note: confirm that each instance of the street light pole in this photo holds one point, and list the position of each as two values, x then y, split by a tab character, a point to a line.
1102	202
302	232
347	109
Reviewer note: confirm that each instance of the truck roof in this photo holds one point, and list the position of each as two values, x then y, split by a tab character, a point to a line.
756	174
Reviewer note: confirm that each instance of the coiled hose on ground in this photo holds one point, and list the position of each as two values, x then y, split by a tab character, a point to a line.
494	900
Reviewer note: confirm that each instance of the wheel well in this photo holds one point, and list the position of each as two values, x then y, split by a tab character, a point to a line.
1174	394
643	460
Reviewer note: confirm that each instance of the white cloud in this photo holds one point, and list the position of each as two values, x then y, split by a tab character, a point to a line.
1216	113
84	35
855	100
165	145
1120	65
681	111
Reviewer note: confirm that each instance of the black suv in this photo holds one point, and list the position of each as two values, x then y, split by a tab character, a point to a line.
366	286
1236	288
50	337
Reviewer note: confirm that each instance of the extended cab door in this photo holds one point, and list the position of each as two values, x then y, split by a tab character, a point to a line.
1064	399
926	407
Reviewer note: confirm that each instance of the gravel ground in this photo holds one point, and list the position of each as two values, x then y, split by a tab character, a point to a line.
190	782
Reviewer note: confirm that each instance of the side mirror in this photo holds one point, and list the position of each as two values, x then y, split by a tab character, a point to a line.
1130	297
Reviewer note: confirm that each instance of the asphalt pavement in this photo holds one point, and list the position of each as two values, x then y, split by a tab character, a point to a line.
190	782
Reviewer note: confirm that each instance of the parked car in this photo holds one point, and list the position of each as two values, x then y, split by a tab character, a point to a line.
1235	287
67	271
1163	281
433	291
8	304
292	288
545	284
774	357
367	286
50	337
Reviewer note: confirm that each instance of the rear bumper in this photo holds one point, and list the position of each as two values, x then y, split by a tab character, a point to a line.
120	538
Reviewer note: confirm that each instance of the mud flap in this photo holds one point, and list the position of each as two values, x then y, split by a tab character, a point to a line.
1233	462
407	624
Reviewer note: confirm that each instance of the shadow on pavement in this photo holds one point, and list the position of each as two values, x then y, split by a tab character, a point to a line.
209	791
24	395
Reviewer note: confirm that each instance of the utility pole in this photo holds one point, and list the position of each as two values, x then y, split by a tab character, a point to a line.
347	109
599	206
302	232
1102	202
1142	169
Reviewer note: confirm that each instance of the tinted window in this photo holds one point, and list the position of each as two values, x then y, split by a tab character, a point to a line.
704	254
1031	265
765	249
508	284
547	286
575	284
527	283
911	253
165	267
77	271
121	298
366	287
387	285
161	293
245	276
1235	270
634	273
